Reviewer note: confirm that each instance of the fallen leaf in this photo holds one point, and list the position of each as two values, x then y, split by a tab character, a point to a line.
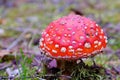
7	58
3	53
117	69
13	73
2	31
52	64
2	21
5	65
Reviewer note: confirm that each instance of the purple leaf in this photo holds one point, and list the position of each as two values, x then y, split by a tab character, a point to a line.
118	53
52	64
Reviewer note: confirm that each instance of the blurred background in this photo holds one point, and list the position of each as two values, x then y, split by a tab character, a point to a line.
22	21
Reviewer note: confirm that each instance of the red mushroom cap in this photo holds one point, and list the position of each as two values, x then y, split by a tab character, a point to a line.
72	37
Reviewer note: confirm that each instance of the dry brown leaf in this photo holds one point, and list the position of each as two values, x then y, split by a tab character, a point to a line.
2	21
5	65
3	53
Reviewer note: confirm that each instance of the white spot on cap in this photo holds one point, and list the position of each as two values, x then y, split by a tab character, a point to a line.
88	54
80	53
97	30
102	48
44	32
44	45
67	56
42	39
79	49
54	35
96	42
54	51
69	35
73	33
101	30
96	24
85	54
43	48
50	42
64	57
65	34
106	41
105	37
71	50
63	49
73	42
41	43
47	47
100	36
59	57
85	27
69	28
68	41
80	44
58	37
47	53
70	47
56	46
81	37
48	39
51	26
62	23
56	29
96	33
87	36
63	41
47	35
95	46
78	61
99	43
87	45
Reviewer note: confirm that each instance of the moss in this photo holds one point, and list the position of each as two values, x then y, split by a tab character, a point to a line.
85	72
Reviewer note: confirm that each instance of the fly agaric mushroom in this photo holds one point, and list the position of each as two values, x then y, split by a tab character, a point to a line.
72	37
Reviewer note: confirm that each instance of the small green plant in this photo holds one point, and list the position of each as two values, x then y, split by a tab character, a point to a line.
27	71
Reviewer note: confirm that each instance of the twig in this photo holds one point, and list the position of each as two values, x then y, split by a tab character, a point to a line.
37	76
17	40
31	41
4	66
116	62
36	31
21	37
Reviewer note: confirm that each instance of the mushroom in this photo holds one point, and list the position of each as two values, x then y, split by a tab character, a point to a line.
72	37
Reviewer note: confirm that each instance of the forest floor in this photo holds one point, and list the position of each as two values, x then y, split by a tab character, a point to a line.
22	22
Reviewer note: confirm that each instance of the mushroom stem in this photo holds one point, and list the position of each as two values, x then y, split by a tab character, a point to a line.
61	64
66	66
